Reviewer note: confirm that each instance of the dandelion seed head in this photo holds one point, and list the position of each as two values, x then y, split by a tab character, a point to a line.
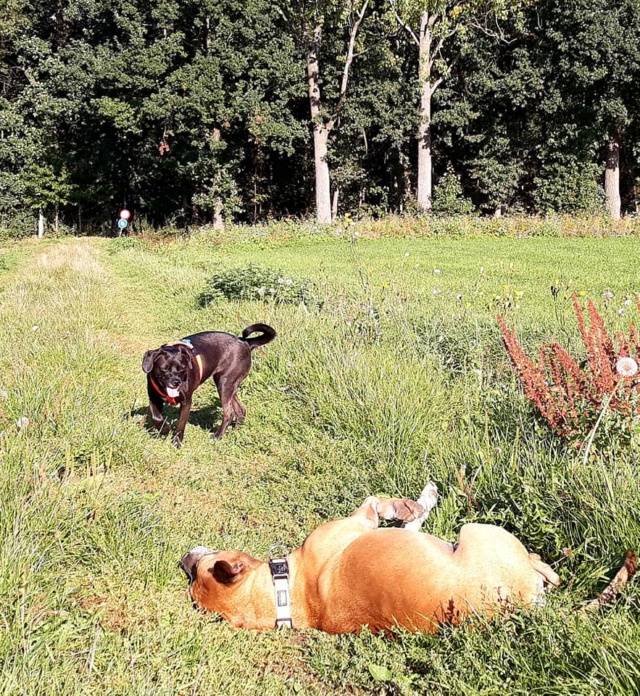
627	367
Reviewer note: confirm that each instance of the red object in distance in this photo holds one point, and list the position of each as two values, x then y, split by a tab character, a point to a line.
125	214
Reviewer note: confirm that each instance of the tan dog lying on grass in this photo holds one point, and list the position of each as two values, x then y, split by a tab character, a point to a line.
349	573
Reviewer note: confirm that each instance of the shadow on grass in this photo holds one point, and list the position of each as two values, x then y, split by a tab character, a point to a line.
207	418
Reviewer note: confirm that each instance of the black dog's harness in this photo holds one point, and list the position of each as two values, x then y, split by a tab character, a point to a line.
197	357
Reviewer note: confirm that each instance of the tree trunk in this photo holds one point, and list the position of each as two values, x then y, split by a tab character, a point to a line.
334	203
218	217
40	224
612	178
406	182
424	129
320	134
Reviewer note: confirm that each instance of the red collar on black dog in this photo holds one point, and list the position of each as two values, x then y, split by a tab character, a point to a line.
183	342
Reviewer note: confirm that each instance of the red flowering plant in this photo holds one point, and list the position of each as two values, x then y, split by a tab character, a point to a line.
573	397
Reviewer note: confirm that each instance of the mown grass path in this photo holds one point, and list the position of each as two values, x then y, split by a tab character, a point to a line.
388	385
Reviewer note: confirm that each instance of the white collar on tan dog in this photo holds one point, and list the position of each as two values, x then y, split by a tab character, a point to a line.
279	567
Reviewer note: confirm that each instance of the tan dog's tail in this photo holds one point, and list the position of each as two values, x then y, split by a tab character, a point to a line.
613	589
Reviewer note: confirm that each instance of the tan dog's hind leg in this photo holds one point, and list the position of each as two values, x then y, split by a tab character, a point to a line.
428	499
547	572
613	589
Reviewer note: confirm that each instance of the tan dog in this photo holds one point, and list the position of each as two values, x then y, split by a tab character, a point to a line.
349	573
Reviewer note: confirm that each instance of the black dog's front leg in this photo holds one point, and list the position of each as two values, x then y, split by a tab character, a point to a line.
185	410
156	406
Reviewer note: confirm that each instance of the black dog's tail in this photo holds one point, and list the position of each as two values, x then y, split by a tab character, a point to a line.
268	334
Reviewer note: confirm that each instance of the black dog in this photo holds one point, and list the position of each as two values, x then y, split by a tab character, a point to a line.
176	370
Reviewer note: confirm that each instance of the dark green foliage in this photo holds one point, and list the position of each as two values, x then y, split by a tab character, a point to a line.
449	196
569	188
179	110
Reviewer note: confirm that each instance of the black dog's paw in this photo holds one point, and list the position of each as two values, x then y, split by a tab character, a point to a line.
177	441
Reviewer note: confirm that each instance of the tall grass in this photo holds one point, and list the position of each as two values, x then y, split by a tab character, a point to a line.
377	388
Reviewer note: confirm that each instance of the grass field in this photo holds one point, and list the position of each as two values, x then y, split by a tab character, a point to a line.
395	375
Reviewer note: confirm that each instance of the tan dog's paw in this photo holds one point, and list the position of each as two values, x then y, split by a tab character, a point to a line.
407	510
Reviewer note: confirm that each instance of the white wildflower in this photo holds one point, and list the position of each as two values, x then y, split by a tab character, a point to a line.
627	367
22	422
435	292
436	271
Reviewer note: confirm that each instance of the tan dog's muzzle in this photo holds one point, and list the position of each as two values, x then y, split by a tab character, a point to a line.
191	559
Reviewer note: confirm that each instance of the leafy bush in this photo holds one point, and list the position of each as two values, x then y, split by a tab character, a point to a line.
18	224
449	197
257	283
569	188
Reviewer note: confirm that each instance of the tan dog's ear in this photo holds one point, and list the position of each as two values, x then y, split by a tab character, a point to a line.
226	573
147	360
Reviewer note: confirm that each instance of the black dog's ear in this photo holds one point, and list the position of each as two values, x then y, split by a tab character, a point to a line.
185	350
147	361
226	573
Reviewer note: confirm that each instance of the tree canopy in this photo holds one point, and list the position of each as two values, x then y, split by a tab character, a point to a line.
194	112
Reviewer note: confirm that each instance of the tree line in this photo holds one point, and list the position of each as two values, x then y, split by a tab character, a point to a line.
200	112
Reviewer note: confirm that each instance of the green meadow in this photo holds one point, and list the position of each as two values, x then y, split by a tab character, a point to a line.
393	375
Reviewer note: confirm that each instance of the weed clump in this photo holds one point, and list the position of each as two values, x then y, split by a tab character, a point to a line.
573	396
257	283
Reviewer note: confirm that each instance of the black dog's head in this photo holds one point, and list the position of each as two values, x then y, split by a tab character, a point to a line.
169	367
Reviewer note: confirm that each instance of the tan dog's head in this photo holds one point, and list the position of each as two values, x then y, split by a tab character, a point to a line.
216	578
